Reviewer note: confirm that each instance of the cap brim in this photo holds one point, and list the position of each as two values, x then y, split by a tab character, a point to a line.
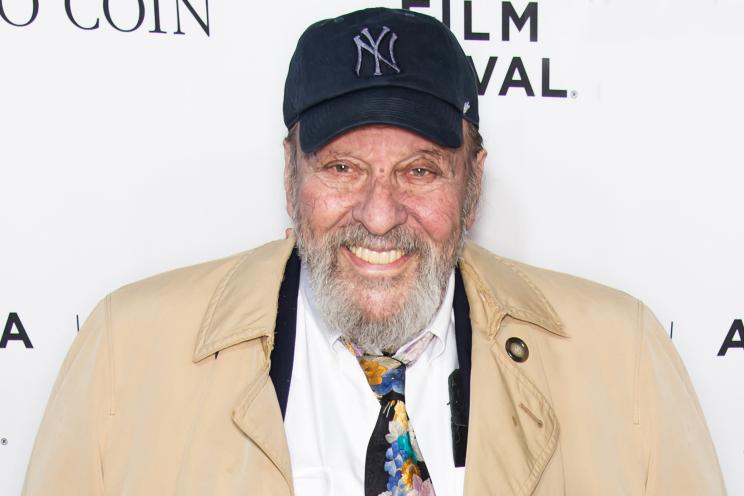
420	112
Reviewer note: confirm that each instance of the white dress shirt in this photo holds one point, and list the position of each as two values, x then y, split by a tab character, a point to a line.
331	409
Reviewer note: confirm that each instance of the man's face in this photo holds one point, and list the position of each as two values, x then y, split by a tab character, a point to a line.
379	215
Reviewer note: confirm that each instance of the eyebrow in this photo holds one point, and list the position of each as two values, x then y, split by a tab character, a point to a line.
430	152
439	153
433	152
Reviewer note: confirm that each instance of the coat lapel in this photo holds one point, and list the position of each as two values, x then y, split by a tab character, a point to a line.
258	415
244	308
513	430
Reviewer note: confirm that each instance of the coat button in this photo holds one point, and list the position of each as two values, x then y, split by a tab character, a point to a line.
517	349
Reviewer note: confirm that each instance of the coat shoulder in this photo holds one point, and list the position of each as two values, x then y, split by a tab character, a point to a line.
560	288
577	302
176	302
193	280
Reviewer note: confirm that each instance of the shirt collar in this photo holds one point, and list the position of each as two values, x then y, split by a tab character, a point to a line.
441	324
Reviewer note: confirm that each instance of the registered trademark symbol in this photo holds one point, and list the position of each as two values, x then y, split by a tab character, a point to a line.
3	441
574	94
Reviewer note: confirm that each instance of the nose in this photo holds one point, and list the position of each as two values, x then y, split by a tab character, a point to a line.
379	210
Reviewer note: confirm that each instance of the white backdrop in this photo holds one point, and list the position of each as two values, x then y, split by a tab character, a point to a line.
123	154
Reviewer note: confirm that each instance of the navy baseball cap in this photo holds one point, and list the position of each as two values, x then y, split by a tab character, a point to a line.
379	66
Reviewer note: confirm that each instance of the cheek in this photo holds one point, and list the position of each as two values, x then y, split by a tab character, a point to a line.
437	212
323	207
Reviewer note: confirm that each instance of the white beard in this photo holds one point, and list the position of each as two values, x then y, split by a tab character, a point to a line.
411	315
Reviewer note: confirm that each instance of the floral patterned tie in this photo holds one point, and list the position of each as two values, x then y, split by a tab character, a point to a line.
394	465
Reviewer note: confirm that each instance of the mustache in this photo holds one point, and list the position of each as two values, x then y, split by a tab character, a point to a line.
398	238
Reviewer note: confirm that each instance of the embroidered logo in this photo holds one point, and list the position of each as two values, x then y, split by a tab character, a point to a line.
373	48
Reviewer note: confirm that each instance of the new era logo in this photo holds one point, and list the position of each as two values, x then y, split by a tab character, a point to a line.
373	48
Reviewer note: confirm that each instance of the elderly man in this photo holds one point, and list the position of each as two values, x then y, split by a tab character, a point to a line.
378	353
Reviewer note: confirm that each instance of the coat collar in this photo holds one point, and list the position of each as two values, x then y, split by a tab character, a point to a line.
504	288
244	304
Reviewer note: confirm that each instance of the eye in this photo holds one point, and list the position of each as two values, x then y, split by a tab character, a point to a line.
341	168
420	172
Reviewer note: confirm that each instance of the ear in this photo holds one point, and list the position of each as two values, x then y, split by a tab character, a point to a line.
480	162
288	193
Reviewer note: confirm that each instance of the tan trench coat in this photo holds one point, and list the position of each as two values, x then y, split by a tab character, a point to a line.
144	406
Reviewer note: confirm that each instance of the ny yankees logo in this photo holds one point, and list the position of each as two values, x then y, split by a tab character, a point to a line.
374	49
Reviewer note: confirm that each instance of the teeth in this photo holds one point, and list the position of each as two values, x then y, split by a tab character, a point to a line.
376	257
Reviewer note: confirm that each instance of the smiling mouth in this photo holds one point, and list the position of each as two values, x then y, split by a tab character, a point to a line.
376	257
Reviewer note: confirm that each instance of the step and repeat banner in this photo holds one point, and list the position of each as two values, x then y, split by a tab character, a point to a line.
137	136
